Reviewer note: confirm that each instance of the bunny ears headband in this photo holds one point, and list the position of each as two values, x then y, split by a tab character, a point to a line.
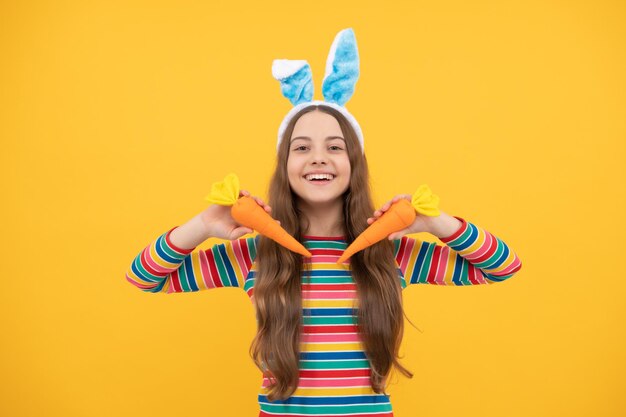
342	72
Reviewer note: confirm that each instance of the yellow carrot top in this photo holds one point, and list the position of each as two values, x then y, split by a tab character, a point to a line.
425	202
224	193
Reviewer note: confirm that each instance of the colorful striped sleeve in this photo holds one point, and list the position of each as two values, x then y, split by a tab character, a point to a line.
164	267
472	256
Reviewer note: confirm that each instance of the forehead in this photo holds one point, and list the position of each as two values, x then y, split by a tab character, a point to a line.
316	123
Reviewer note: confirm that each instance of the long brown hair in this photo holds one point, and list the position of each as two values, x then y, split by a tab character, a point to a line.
277	297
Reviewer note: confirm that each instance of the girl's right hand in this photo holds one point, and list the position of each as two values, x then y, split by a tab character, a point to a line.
219	223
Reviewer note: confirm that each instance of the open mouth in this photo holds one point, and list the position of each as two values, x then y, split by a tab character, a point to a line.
319	179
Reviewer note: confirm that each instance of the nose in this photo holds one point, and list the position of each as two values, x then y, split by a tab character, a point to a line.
319	157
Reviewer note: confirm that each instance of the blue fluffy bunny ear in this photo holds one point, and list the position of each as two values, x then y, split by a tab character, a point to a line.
296	79
342	68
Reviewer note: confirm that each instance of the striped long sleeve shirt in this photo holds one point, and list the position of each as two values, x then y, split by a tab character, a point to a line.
334	369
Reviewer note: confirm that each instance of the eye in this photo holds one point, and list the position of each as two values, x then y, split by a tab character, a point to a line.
333	147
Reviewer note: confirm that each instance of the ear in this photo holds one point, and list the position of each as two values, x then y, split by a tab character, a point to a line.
342	68
296	79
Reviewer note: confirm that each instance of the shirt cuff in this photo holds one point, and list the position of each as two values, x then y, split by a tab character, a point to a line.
456	234
169	243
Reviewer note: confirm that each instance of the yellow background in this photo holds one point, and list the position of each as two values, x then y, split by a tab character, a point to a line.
117	116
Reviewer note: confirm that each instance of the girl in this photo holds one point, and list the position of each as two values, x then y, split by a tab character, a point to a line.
328	335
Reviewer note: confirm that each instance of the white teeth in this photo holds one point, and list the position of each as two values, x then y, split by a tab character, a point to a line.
319	176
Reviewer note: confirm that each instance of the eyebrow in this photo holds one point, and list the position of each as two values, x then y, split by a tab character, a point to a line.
327	139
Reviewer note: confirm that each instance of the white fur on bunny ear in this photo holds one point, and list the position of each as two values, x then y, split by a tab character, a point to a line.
342	68
296	79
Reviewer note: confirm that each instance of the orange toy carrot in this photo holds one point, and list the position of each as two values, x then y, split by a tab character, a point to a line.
247	212
400	215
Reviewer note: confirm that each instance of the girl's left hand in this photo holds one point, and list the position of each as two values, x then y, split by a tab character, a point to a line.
421	224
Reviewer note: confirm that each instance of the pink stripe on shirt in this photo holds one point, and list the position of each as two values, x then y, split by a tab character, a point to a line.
326	295
334	382
329	337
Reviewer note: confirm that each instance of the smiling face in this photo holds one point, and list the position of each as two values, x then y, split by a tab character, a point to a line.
318	146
